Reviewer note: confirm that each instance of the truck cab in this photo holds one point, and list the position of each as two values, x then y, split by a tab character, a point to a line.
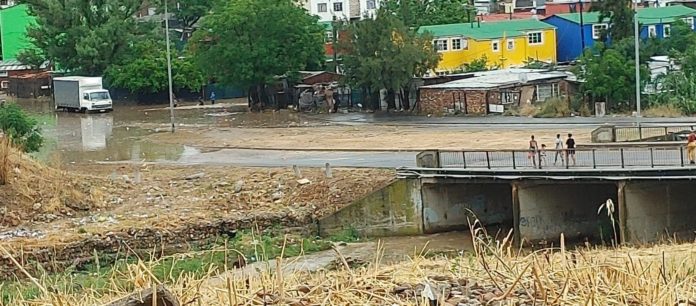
97	99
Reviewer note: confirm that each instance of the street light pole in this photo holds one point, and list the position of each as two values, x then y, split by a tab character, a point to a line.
169	66
637	50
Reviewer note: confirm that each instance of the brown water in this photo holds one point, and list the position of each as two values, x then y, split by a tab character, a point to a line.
119	135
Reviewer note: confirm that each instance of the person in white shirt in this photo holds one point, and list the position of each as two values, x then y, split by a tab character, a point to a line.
559	150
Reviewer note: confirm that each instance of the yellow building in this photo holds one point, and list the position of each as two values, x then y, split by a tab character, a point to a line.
504	44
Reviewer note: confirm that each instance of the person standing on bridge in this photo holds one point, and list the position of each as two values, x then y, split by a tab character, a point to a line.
570	149
559	150
691	147
533	148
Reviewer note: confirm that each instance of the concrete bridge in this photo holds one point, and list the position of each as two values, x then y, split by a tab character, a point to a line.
651	202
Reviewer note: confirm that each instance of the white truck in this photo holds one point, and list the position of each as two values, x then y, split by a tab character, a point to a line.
82	94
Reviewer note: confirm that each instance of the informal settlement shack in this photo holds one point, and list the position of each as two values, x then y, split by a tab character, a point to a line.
487	92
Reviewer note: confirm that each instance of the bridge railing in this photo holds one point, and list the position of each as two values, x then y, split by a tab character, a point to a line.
594	158
649	132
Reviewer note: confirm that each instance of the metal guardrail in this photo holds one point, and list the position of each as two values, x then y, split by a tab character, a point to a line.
646	132
604	158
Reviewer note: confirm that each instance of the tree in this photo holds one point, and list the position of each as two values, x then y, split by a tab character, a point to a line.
608	76
22	130
479	64
144	70
188	12
82	36
251	42
417	13
382	53
620	16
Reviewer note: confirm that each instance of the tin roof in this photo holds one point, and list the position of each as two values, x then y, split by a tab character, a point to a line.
651	15
15	65
487	30
502	78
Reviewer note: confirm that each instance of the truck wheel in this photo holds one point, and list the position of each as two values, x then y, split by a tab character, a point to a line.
83	110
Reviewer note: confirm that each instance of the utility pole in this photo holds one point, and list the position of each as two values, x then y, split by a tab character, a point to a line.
582	28
169	66
637	50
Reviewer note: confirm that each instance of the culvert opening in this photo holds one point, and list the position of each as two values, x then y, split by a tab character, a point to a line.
548	210
453	206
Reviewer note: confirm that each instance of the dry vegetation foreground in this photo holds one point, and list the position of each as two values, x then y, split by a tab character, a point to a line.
494	274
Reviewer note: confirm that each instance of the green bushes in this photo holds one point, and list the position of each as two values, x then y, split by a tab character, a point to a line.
22	130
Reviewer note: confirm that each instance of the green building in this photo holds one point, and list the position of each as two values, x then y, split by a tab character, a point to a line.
13	30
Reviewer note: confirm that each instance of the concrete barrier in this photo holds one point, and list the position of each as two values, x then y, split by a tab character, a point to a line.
393	210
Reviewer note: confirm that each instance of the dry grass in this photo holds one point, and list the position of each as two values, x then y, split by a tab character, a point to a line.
663	111
659	275
528	110
30	188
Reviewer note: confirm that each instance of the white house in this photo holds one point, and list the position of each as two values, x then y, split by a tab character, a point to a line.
329	10
6	3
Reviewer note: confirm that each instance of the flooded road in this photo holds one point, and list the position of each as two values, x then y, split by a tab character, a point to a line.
121	135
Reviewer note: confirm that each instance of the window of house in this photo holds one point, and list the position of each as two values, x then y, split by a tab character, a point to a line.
456	43
3	2
441	44
545	91
666	30
322	8
4	84
371	4
652	31
689	21
598	29
4	73
510	44
495	45
534	38
338	7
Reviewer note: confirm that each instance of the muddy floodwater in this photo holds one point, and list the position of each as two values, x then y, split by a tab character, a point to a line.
120	135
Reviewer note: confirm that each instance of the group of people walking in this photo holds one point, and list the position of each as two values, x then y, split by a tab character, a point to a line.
565	151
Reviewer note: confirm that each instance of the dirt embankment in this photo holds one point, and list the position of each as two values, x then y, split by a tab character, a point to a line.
147	207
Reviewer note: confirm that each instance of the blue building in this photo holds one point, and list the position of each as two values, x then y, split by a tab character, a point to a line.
654	22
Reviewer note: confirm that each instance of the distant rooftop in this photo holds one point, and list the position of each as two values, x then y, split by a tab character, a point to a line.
652	15
503	78
487	30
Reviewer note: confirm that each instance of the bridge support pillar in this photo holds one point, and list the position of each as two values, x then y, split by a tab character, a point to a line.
548	209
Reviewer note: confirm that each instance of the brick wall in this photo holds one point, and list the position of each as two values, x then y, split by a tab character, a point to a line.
439	101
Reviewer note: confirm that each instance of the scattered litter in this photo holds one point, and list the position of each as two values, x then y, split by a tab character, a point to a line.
21	233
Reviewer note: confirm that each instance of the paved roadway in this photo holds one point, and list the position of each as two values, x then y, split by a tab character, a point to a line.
498	121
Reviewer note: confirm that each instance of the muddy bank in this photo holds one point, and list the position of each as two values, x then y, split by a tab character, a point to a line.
142	242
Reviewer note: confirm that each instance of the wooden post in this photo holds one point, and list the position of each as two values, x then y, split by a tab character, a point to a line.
516	213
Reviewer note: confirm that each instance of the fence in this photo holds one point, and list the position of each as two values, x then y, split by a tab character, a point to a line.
614	158
650	133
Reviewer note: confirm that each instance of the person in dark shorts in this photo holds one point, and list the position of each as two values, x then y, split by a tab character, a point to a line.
570	149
